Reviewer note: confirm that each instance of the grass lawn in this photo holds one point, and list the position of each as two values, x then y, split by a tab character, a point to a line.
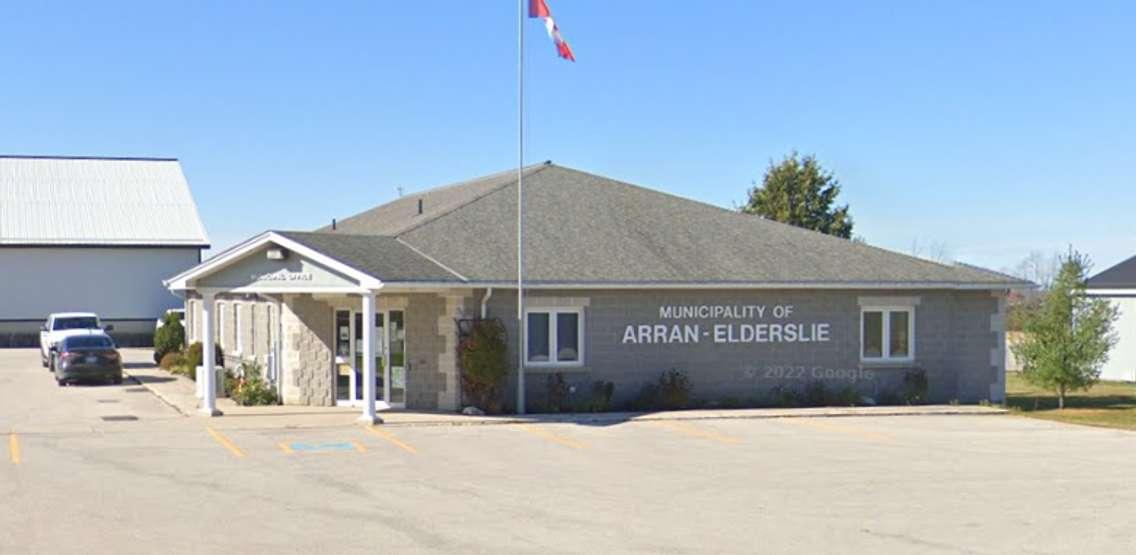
1108	404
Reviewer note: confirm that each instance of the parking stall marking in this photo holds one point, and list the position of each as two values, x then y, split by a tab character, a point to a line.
847	430
225	442
14	448
692	431
391	438
555	438
300	447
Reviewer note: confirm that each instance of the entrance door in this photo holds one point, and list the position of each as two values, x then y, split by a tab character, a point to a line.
390	356
396	358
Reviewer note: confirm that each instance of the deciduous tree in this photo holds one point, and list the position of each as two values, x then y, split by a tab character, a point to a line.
1068	336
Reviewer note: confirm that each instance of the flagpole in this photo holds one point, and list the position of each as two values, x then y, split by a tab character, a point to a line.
520	206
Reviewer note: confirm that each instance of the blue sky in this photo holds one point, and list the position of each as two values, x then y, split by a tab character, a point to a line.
992	129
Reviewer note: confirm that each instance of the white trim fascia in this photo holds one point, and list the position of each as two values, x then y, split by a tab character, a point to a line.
708	285
319	290
1111	292
180	281
408	286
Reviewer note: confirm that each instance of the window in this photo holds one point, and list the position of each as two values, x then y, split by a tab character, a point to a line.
190	318
238	329
555	337
76	323
220	335
87	342
887	333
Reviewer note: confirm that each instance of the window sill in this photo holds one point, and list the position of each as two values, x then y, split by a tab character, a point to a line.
884	363
554	368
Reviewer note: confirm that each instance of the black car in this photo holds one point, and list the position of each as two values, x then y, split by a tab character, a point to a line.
87	357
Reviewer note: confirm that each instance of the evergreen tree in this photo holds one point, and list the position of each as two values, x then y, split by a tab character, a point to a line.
798	191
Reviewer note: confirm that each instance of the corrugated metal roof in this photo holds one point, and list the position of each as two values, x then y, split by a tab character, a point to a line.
96	201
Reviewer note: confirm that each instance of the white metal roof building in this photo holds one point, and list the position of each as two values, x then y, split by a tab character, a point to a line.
92	234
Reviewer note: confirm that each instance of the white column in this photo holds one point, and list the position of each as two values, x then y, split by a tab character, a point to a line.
369	416
209	398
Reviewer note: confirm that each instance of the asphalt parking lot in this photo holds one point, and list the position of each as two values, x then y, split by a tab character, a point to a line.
149	479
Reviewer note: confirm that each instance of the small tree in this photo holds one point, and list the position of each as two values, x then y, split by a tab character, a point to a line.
170	338
1068	336
484	359
798	191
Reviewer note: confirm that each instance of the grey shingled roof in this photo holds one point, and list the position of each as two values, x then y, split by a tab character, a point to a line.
582	228
385	258
1120	276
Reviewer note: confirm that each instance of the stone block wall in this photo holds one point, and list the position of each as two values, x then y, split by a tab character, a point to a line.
957	334
307	351
431	337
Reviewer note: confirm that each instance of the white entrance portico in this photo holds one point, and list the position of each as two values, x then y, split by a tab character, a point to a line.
303	285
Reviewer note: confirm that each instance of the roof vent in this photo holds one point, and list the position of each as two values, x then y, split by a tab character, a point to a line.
419	207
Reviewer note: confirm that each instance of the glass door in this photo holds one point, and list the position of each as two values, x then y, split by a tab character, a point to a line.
396	357
390	358
344	353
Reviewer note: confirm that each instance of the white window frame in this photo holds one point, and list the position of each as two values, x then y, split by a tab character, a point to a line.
190	318
885	346
238	321
552	323
220	307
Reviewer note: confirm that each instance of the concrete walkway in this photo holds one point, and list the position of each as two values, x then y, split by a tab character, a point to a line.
179	393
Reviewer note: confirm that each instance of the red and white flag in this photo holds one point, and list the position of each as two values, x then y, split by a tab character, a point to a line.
538	8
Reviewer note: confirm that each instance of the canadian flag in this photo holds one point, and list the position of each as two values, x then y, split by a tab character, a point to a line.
538	8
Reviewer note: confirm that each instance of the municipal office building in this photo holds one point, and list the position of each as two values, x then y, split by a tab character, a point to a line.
622	283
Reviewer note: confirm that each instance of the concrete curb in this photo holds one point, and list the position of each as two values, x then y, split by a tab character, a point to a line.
154	391
741	414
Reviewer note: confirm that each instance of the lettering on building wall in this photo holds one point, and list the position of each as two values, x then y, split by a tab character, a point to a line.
282	275
752	323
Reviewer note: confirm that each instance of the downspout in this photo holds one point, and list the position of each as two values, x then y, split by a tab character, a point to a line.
485	302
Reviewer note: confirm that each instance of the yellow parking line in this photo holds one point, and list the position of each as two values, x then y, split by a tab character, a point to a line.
551	436
830	427
359	447
284	447
687	429
390	437
225	442
14	448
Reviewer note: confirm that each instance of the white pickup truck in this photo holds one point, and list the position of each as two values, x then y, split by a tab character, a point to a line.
62	324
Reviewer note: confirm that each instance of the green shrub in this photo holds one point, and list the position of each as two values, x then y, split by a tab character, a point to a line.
844	397
915	387
170	338
170	360
815	395
602	392
193	357
674	390
247	388
648	398
783	397
484	361
556	394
